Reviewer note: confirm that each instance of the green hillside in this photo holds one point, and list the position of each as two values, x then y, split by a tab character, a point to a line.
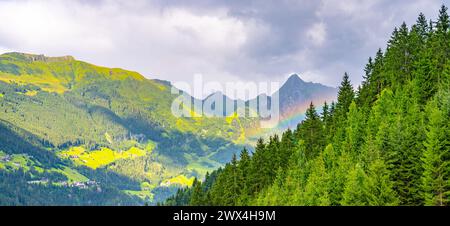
93	119
385	143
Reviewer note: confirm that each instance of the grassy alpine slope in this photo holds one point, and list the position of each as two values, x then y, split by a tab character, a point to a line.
385	143
90	120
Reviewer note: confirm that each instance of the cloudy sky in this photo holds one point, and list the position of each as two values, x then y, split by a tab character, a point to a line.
224	40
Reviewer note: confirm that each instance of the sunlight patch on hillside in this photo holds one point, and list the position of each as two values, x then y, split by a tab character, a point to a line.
181	180
99	158
48	84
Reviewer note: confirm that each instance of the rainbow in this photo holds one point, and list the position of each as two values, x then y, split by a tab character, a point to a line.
290	118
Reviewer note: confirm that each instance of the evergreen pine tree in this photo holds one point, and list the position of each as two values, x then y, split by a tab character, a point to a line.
197	194
353	131
381	188
311	131
244	180
435	178
356	192
316	190
346	95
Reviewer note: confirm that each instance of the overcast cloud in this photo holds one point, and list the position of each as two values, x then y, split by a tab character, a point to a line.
223	40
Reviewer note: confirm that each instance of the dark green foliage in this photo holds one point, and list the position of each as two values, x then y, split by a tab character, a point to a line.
15	190
435	178
311	132
346	95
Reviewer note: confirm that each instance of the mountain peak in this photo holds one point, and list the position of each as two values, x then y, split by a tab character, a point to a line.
294	81
38	57
294	78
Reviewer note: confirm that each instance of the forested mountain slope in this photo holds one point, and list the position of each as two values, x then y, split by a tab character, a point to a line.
385	143
72	122
83	131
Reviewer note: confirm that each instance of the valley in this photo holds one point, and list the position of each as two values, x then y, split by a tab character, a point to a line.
72	126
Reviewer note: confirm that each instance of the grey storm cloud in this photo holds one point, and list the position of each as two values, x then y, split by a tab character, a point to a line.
224	40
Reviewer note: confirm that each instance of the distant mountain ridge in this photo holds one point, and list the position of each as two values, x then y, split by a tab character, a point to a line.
294	96
40	57
295	91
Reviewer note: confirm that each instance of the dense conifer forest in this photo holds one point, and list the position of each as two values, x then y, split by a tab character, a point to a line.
385	142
